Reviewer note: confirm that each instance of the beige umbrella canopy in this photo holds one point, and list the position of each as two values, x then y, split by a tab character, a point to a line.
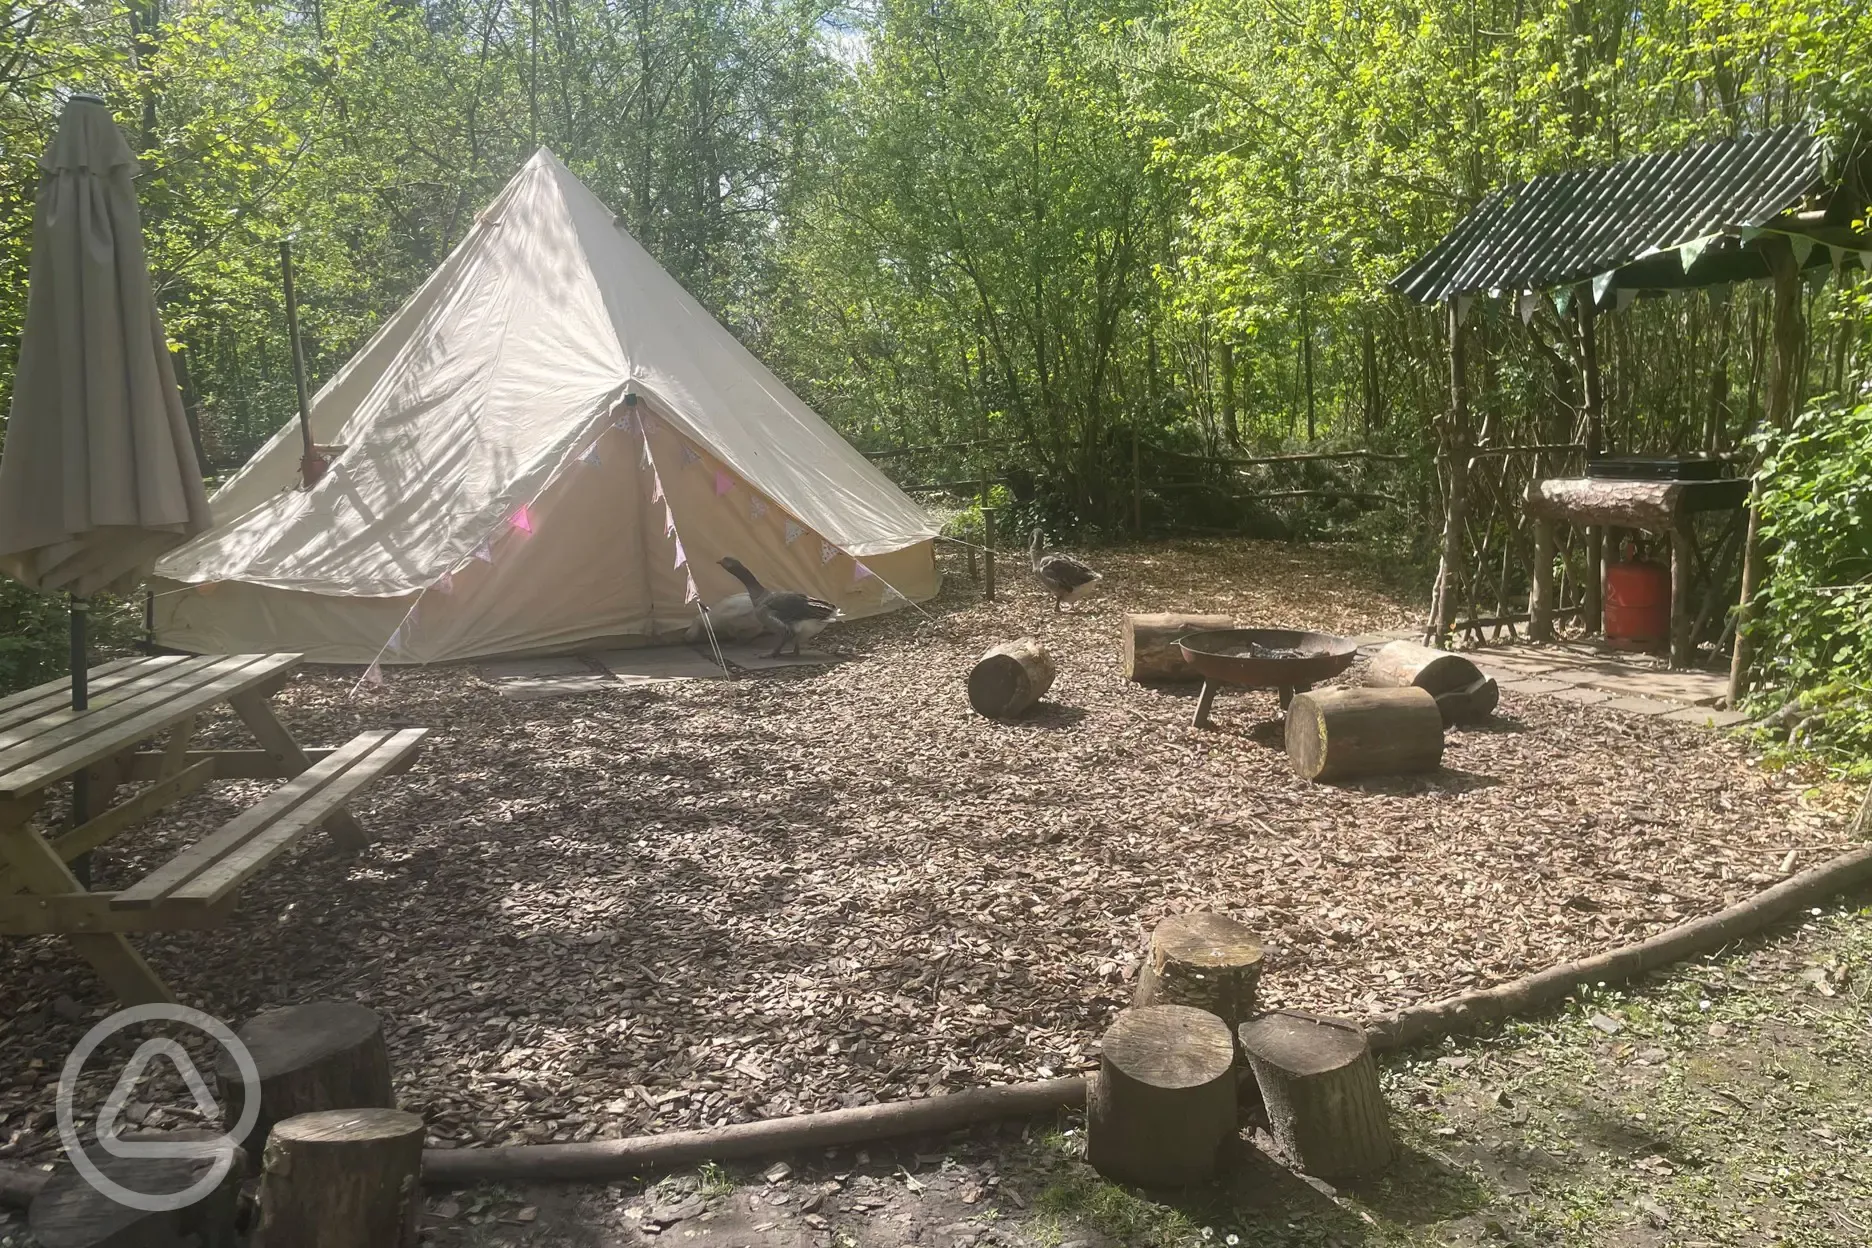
98	475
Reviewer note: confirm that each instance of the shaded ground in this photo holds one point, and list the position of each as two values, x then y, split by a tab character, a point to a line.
648	908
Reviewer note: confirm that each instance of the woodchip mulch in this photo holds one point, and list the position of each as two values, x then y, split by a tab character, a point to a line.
681	905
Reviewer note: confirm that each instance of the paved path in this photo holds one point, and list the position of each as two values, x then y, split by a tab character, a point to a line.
1596	675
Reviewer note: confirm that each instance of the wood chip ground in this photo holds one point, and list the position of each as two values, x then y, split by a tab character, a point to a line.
648	908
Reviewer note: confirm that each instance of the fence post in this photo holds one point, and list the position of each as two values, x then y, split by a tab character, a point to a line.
988	554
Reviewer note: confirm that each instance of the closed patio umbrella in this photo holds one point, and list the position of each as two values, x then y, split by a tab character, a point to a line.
98	475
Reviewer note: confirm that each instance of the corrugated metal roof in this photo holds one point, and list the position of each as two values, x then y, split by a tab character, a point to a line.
1563	228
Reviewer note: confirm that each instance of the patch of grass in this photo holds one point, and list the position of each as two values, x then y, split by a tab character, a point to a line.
1078	1194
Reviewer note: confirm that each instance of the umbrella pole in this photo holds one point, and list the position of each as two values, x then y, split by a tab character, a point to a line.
81	698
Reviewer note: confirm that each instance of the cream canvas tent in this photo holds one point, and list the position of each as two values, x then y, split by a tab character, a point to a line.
551	443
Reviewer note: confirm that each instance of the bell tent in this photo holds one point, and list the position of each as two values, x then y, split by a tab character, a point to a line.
551	443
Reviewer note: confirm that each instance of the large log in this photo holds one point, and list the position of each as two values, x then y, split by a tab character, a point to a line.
1462	692
69	1211
1204	960
1010	678
615	1159
322	1055
1150	644
1338	734
343	1178
1164	1100
19	1184
1320	1086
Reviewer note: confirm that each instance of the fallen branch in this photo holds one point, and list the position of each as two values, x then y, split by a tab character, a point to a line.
615	1159
18	1185
1705	935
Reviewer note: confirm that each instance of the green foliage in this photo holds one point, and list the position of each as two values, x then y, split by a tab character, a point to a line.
1815	621
35	634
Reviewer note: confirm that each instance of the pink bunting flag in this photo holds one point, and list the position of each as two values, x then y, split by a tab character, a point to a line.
690	455
485	552
373	675
860	572
757	507
656	495
682	556
793	532
723	482
591	455
669	521
826	551
691	594
445	584
523	520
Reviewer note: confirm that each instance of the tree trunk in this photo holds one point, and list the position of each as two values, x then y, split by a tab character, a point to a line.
1320	1086
1164	1100
1150	644
1010	678
1203	960
324	1055
1462	692
343	1178
70	1212
1453	437
1338	734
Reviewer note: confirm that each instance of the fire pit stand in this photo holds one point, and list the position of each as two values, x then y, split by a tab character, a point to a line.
1281	659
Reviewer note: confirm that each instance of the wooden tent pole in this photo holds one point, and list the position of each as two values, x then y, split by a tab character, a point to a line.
1788	332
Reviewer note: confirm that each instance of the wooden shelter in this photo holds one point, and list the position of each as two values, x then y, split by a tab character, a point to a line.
1769	206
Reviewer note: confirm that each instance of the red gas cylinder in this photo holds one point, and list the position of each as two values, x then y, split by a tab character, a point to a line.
1637	604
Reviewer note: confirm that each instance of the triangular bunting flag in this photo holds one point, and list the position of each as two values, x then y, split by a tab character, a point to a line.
1719	295
1865	261
1462	307
1837	255
1601	284
1626	297
690	455
723	482
669	521
891	591
444	584
396	638
485	552
860	572
682	556
648	461
1691	251
591	455
1750	233
373	675
656	495
207	587
793	532
826	551
691	594
1803	247
523	521
1562	300
1525	303
624	420
757	507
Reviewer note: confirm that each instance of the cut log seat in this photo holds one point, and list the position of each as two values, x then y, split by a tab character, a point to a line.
213	868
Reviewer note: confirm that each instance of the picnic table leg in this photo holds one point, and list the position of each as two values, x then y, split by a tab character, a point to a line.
111	954
273	737
93	792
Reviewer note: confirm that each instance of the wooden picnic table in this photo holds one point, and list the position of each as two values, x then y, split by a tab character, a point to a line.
112	743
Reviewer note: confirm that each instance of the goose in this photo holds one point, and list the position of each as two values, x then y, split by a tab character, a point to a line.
795	616
1069	579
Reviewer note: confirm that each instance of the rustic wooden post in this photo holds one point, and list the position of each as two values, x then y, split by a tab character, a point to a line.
1787	339
1320	1087
322	1055
1541	597
1453	449
1163	1103
343	1178
988	557
1593	392
1680	592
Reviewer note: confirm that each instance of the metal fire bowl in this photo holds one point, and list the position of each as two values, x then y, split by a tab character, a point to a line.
1218	657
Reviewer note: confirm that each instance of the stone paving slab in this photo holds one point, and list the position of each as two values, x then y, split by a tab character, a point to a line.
1642	706
1696	688
1534	685
1584	697
1707	717
652	663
